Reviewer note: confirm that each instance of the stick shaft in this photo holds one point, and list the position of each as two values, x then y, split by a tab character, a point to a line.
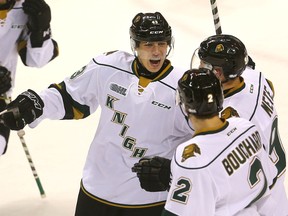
32	166
21	134
216	18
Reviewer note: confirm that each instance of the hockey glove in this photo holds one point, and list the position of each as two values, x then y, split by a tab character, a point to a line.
5	80
153	173
27	107
39	14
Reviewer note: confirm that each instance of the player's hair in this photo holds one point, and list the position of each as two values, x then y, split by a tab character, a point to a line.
225	51
200	92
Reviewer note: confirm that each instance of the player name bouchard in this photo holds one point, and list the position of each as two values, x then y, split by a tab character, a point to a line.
244	150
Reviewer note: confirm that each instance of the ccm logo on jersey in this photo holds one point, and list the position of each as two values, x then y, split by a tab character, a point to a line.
160	105
14	26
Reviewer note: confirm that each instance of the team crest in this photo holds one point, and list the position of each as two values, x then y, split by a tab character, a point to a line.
229	112
137	19
184	77
78	73
219	48
189	151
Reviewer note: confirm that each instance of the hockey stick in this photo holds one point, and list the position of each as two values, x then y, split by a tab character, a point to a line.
21	134
218	29
216	18
216	21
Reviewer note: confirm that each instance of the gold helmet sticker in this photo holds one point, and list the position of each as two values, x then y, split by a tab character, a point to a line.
219	48
184	77
137	19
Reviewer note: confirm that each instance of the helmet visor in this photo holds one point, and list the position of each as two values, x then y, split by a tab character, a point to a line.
197	63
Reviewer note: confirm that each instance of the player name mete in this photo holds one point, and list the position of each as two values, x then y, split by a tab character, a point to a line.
244	150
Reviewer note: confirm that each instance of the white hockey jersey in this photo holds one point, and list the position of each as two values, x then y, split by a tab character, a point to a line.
253	99
220	172
134	123
14	38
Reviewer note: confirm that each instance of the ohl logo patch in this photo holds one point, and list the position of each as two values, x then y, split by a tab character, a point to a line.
118	89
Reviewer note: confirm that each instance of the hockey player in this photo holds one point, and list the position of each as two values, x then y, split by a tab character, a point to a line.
249	94
25	32
224	168
139	118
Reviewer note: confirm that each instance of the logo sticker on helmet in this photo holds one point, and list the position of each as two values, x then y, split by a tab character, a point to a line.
137	19
219	48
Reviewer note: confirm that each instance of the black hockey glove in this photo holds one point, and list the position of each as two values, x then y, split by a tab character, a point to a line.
39	14
153	173
27	107
5	80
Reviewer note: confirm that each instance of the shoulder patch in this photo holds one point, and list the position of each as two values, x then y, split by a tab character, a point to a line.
111	52
78	73
229	112
189	151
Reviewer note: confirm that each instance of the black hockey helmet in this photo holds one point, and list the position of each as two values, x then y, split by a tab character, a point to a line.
200	92
150	27
225	51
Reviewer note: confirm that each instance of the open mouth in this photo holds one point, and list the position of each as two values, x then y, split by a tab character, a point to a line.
155	62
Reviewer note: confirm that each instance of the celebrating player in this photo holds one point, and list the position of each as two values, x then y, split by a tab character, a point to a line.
224	168
24	31
249	94
138	119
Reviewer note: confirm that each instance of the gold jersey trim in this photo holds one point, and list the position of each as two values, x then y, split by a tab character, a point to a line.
119	205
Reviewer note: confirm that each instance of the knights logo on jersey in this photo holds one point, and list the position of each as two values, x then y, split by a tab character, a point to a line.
189	151
229	112
78	73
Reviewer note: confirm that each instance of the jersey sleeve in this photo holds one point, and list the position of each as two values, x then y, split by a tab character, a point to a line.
39	56
76	97
53	106
192	192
